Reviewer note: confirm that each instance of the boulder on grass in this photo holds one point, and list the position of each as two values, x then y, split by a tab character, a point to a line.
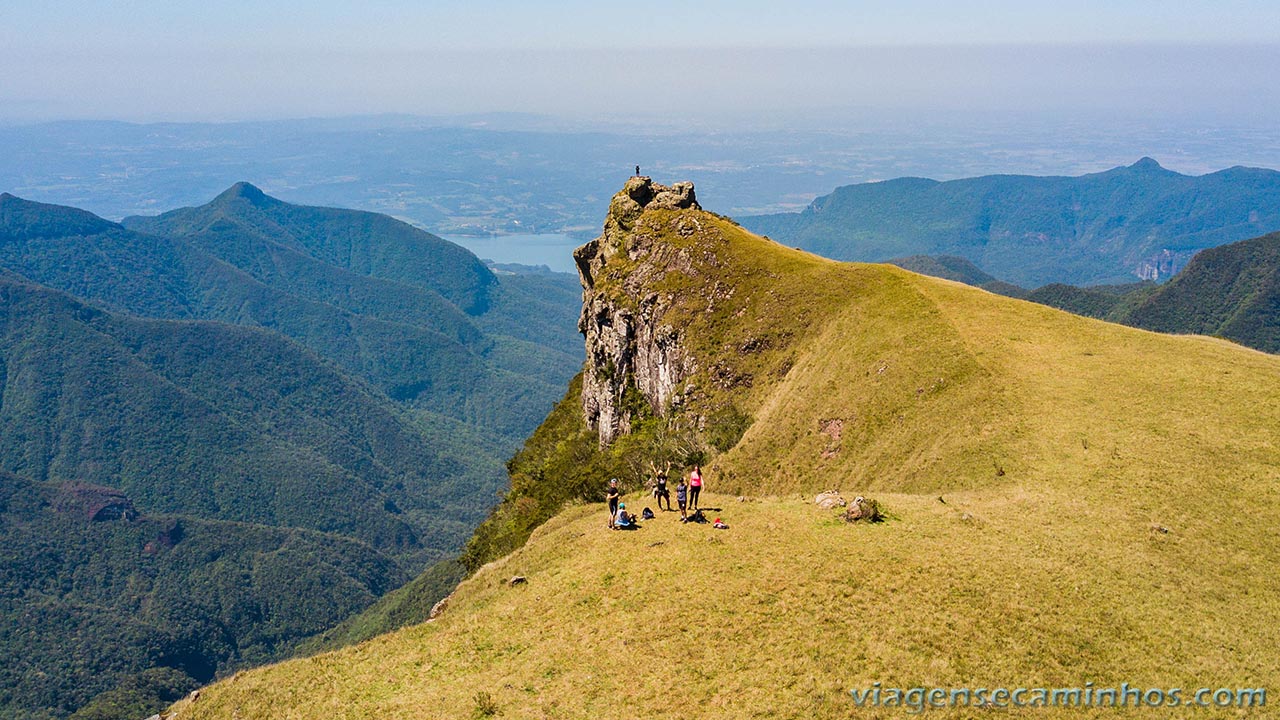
864	510
829	499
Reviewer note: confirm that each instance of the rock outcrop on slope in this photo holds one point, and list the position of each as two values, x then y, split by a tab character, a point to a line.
627	344
94	503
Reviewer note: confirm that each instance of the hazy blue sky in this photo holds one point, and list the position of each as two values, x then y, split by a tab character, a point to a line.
189	60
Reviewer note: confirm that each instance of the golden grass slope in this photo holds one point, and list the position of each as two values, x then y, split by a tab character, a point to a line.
1071	502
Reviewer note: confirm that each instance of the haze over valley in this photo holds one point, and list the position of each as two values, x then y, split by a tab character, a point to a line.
353	355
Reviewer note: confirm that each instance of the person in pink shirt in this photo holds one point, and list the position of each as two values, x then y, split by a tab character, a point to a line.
695	486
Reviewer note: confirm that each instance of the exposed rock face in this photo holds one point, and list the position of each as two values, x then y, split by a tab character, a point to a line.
1164	264
94	502
627	344
438	609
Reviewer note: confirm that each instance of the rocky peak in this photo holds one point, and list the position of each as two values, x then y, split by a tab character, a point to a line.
629	348
637	196
641	192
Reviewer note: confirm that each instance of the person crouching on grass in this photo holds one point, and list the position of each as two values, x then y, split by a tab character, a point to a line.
625	520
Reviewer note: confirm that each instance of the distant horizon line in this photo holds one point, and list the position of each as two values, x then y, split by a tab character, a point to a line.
701	47
659	123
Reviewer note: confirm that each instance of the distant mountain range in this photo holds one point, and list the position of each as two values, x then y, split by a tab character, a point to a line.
419	317
1231	291
1130	223
209	410
503	174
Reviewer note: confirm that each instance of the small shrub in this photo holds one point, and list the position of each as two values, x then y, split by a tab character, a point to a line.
486	705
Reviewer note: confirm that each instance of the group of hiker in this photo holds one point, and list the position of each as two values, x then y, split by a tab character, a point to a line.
687	492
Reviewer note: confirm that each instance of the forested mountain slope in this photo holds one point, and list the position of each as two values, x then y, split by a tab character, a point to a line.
404	337
312	404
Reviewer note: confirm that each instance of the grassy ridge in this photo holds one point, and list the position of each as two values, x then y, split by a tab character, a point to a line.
784	613
863	401
1071	501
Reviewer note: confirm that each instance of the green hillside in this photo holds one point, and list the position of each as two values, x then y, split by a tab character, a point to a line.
1069	502
1140	221
406	338
244	438
362	381
255	231
117	615
168	412
1108	302
1232	291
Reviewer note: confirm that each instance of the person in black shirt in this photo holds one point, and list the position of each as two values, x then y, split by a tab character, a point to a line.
660	490
612	495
